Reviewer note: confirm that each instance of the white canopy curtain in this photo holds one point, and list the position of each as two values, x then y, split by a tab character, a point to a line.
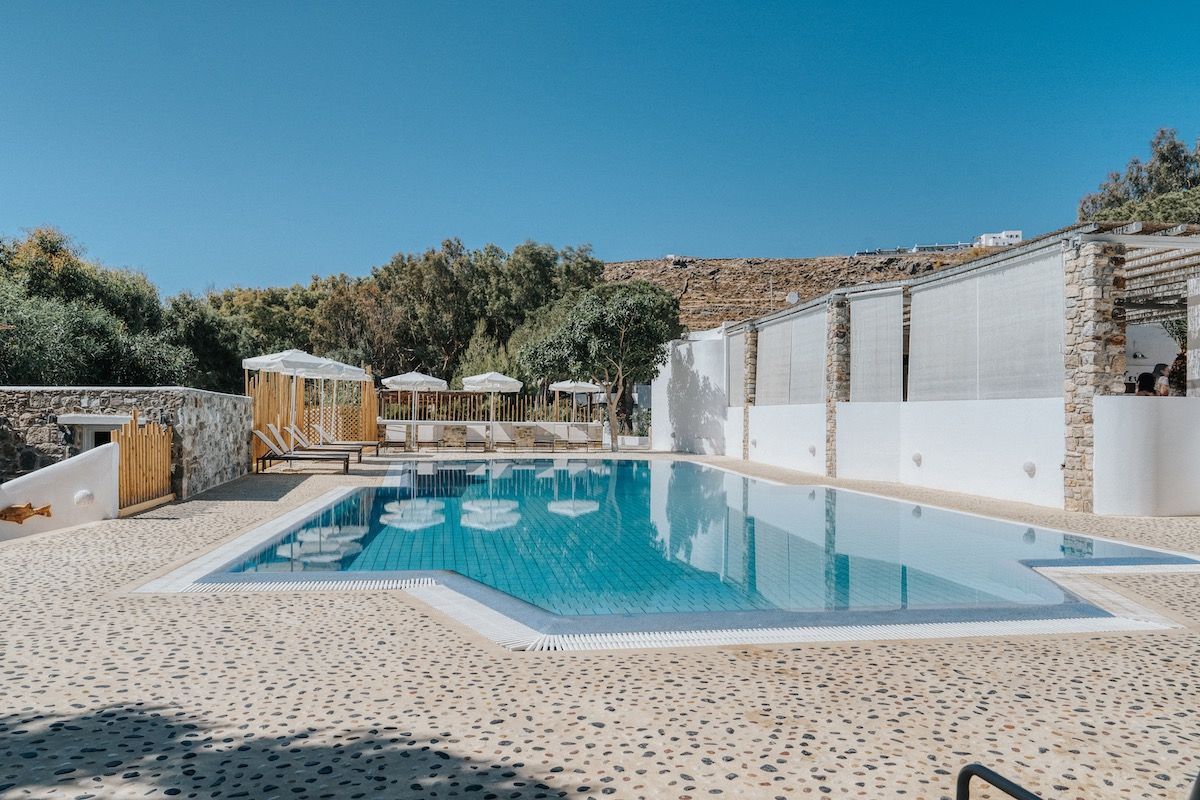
990	333
735	370
877	346
791	359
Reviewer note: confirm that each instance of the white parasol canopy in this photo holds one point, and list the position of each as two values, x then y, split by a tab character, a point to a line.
416	381
491	382
575	387
304	365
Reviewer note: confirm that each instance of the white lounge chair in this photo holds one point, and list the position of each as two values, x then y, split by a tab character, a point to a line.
277	453
305	444
332	441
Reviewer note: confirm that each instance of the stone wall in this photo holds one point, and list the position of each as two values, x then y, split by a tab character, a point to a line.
1193	341
1095	355
211	430
837	373
751	386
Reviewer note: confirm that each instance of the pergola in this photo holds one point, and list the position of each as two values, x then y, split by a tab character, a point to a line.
1159	260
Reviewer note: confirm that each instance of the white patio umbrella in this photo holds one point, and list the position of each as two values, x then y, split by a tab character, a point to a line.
574	387
415	382
492	382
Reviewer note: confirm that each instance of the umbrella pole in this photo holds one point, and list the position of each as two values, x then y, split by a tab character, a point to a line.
492	428
321	404
292	436
412	396
335	428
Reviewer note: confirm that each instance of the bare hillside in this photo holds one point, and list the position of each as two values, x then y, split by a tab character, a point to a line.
715	290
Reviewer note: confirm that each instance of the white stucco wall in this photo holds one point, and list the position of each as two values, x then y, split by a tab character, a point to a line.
57	486
1147	456
688	398
734	422
975	446
868	441
791	436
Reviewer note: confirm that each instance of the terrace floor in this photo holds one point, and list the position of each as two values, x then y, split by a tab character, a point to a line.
109	694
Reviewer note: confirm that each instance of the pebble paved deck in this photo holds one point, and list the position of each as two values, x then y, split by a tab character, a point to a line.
369	694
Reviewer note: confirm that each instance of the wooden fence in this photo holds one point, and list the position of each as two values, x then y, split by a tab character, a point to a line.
474	406
144	472
272	396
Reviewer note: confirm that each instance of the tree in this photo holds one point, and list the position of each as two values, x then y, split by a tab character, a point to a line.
49	264
615	335
216	340
1172	170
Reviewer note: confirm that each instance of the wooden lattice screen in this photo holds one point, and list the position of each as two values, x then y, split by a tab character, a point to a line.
144	472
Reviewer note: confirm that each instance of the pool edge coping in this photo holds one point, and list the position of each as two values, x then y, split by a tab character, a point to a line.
1127	614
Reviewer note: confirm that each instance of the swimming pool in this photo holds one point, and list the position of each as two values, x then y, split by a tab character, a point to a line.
597	545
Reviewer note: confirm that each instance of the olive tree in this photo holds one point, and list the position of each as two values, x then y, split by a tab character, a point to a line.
615	335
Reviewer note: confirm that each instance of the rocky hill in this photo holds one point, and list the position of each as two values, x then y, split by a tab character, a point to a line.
715	290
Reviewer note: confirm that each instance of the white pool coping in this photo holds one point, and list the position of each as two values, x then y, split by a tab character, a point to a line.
495	626
185	578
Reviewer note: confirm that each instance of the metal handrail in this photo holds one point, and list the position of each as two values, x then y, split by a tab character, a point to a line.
1011	789
989	776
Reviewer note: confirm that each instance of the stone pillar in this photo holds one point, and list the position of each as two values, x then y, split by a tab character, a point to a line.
750	382
1094	351
1193	337
837	373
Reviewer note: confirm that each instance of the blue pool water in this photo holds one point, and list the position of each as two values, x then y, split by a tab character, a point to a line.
592	538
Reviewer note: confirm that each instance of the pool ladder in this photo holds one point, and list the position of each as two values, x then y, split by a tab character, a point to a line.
1011	789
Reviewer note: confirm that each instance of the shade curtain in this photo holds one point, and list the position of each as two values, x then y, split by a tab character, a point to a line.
735	369
773	379
989	334
791	360
807	383
877	346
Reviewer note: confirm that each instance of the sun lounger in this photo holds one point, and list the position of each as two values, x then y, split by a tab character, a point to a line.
298	446
547	436
276	453
333	441
429	436
305	444
502	437
477	436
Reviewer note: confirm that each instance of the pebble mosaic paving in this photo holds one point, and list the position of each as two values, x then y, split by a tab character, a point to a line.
105	693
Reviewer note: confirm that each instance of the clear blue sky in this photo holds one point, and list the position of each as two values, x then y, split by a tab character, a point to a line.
212	144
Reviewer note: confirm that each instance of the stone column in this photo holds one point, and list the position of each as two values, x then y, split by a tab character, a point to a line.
750	382
1193	337
1094	350
837	373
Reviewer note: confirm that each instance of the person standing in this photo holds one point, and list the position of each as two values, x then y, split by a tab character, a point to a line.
1162	383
